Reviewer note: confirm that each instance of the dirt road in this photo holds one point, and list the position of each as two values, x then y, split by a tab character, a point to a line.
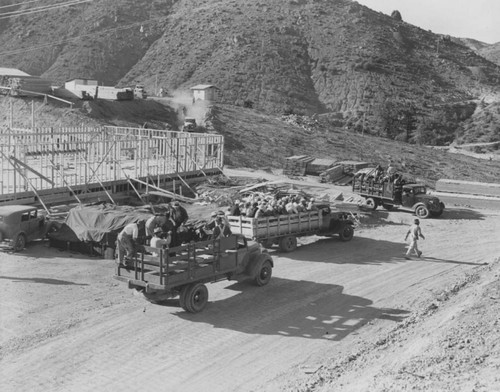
67	325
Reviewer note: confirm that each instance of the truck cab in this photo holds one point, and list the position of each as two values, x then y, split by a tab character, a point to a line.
390	192
415	197
189	124
140	92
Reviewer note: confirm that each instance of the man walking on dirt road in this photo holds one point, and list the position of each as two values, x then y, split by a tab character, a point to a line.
414	232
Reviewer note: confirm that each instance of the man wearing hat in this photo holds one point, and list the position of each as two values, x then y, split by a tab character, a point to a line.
221	228
414	232
154	222
178	214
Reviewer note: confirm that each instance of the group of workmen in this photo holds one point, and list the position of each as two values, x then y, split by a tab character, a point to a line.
159	230
256	206
162	230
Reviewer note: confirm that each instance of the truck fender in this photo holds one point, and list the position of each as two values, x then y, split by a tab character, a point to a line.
414	206
255	264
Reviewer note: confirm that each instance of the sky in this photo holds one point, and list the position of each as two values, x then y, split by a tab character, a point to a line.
477	19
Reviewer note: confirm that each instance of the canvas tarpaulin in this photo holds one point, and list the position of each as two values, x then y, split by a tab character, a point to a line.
92	223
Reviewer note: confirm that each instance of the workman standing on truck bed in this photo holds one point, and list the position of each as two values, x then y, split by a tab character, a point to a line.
126	241
414	232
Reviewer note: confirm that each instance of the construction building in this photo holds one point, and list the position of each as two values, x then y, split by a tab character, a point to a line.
205	92
46	166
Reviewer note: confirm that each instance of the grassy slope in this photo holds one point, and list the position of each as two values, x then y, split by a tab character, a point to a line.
257	140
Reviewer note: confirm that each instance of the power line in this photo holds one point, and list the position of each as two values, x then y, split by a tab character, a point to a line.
15	5
17	51
29	11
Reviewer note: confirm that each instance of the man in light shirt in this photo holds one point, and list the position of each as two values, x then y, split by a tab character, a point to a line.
414	232
126	241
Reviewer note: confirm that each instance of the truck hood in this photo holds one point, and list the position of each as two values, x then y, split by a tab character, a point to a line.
428	199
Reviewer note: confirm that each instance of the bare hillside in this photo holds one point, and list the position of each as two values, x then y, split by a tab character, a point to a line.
299	56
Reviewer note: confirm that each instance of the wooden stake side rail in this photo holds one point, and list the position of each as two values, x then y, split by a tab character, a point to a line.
277	226
168	268
55	158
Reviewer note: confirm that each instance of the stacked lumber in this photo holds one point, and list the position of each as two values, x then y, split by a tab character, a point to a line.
296	165
332	174
468	187
319	165
352	167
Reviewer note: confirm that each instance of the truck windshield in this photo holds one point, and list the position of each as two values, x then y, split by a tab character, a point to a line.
419	190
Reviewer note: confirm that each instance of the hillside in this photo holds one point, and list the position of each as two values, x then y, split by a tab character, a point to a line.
254	139
372	73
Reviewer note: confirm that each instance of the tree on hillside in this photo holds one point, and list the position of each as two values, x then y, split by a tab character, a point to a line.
398	119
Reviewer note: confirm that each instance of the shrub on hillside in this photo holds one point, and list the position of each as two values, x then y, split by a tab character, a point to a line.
396	15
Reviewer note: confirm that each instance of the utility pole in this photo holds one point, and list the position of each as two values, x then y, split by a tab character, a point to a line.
33	116
11	121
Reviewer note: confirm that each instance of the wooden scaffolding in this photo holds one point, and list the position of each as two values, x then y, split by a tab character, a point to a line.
61	164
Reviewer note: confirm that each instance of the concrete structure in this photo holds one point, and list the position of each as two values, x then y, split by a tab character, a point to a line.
57	165
205	92
82	88
90	89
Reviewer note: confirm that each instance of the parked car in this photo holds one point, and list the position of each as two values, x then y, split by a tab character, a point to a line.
20	224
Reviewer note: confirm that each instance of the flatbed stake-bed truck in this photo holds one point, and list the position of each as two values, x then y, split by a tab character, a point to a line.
284	229
184	270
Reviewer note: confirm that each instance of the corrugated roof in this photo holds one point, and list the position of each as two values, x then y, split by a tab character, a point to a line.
202	86
12	72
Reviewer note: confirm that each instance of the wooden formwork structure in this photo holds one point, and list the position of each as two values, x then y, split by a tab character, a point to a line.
55	165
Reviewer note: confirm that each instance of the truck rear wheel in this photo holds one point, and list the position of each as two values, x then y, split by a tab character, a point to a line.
371	203
347	233
195	298
422	212
264	273
288	243
388	207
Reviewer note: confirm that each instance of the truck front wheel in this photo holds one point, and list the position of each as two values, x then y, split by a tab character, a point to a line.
371	203
288	243
422	212
347	233
264	273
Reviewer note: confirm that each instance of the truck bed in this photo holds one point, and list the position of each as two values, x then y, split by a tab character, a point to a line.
303	223
166	269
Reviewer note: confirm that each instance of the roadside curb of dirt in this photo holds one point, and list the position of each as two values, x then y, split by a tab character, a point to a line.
324	379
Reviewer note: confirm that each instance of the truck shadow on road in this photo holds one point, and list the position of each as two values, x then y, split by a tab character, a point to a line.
461	213
332	250
295	309
43	281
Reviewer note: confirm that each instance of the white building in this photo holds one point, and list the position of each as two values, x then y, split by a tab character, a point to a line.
205	92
